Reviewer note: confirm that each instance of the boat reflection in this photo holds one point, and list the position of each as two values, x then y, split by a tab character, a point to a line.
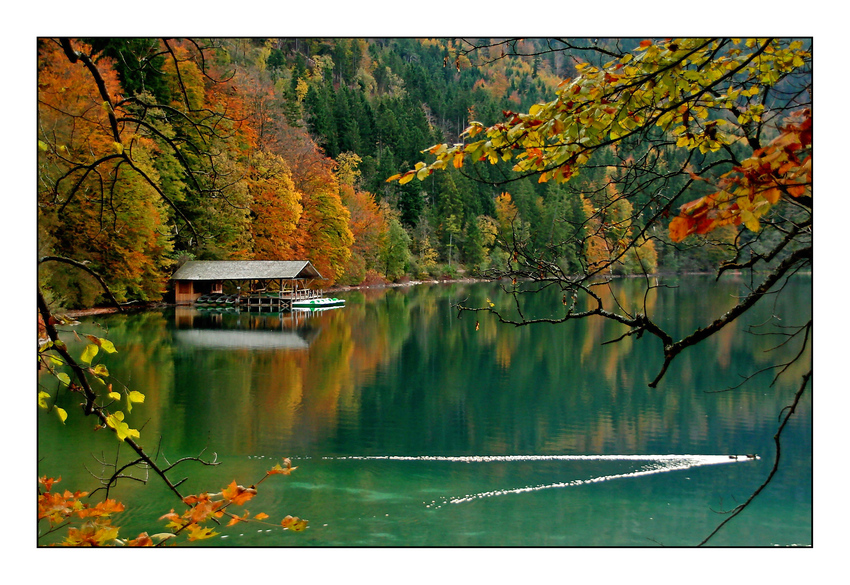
213	328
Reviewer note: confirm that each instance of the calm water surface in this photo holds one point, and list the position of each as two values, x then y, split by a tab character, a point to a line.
413	427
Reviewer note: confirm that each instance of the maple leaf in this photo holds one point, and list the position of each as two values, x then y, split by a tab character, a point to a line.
48	482
236	519
237	494
200	532
93	533
104	508
202	509
285	470
294	523
142	540
174	520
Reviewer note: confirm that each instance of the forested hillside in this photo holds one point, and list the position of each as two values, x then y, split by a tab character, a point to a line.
152	152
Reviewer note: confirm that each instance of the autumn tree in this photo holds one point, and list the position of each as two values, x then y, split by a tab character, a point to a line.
715	132
323	233
127	176
275	206
367	221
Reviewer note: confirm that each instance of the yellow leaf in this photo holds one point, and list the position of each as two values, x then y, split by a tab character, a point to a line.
99	370
88	353
122	429
114	396
134	397
107	346
62	414
200	533
406	178
42	399
457	161
752	223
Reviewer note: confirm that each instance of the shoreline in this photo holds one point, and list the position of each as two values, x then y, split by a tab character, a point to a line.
332	289
138	306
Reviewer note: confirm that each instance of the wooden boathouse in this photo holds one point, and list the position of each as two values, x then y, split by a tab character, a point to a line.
260	284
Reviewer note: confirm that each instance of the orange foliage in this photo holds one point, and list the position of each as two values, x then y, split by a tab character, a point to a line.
783	167
323	233
367	222
70	105
276	206
115	219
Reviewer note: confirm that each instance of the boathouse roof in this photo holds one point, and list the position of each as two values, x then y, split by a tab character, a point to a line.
245	270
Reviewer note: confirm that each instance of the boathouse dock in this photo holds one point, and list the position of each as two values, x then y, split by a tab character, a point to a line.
250	284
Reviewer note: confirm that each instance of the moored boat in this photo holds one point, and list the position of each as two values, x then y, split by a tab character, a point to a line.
319	303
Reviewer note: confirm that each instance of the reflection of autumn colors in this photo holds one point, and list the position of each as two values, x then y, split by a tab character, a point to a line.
398	371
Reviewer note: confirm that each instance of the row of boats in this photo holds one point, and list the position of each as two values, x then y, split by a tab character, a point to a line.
216	299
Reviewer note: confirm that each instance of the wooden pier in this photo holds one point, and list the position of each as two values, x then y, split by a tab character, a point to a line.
276	301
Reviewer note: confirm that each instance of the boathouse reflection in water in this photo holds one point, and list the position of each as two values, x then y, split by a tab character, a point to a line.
232	329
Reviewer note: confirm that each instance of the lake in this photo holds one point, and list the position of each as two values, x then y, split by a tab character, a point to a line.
412	426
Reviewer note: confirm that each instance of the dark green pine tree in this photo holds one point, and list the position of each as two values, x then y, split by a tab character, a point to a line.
347	131
139	63
320	120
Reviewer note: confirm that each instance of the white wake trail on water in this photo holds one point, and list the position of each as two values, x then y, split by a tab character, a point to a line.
656	464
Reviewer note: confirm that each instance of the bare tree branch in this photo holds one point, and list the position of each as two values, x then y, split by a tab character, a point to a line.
776	439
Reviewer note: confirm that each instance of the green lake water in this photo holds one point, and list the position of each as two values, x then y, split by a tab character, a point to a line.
413	427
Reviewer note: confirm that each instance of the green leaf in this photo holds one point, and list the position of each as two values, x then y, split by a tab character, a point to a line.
88	353
64	378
